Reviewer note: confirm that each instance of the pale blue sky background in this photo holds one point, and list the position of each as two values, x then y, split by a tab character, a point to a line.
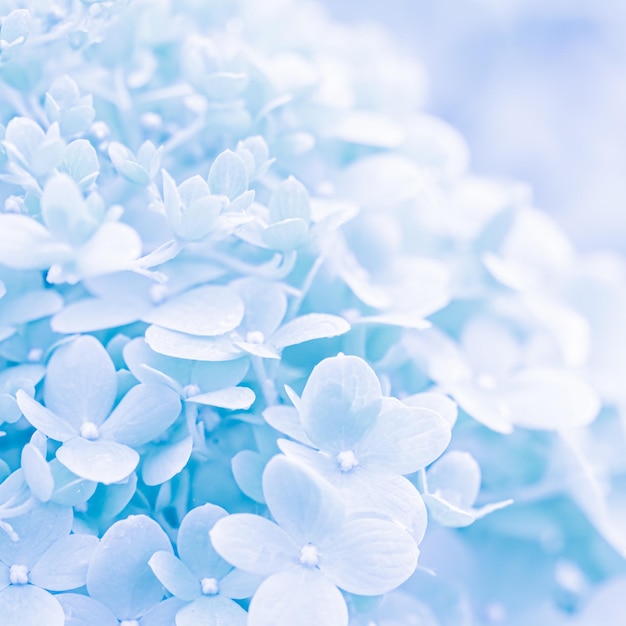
537	87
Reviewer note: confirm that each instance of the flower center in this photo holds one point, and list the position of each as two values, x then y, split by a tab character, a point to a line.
309	556
209	586
191	390
347	460
255	336
88	430
18	574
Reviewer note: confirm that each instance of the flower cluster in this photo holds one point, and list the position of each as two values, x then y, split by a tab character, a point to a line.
259	323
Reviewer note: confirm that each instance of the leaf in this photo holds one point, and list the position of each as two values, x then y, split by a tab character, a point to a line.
27	605
298	596
253	544
183	346
340	402
233	398
404	439
212	611
228	176
142	415
85	611
64	564
102	461
163	461
37	474
207	311
369	557
309	327
125	549
81	163
80	384
174	575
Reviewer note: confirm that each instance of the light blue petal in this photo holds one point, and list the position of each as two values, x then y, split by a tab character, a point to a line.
26	605
239	584
298	596
37	473
437	402
254	544
286	419
265	303
80	161
102	460
143	414
30	305
85	611
69	489
309	327
119	575
147	366
286	235
369	557
233	398
340	402
224	85
455	477
194	545
26	244
207	311
163	613
550	399
124	161
162	462
248	466
404	439
228	176
110	500
65	212
91	314
215	376
64	564
5	576
174	575
304	505
45	420
184	346
215	611
384	496
80	383
37	530
15	25
446	513
290	200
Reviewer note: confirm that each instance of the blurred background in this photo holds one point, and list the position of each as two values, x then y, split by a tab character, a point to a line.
538	89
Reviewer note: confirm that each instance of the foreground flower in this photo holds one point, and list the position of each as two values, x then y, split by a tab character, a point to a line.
97	443
312	550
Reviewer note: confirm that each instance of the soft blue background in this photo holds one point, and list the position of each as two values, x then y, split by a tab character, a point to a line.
537	87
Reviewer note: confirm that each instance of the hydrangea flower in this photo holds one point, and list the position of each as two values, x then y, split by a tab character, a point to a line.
365	442
80	391
44	558
200	577
311	550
